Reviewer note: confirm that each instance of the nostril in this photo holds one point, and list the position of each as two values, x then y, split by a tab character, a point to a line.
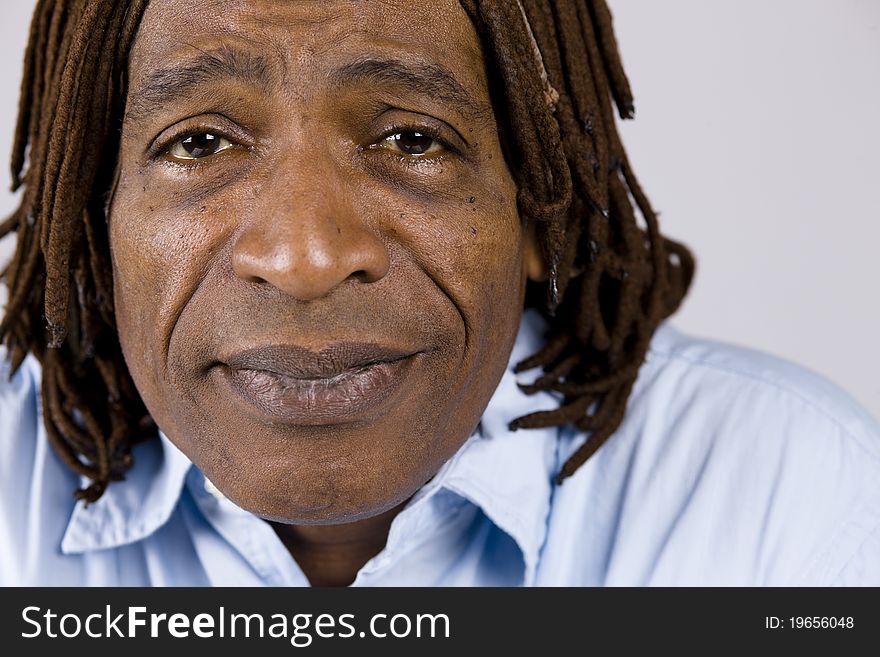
363	276
308	256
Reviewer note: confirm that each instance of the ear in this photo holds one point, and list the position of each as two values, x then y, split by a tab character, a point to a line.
534	267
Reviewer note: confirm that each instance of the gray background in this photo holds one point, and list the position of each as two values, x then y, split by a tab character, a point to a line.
756	138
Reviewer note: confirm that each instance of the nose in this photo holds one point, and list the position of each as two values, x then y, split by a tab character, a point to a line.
307	239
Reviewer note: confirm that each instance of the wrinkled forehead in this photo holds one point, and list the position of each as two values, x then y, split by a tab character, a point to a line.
307	38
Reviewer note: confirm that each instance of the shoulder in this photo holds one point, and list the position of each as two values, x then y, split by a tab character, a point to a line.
35	487
724	376
735	467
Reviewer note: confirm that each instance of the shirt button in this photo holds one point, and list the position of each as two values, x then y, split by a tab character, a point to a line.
212	490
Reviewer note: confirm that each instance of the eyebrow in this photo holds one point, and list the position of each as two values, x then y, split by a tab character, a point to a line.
167	84
253	69
424	79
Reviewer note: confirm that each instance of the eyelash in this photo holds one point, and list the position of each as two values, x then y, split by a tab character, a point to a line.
163	149
417	162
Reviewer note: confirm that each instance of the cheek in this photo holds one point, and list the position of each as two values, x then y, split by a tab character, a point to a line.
158	257
473	251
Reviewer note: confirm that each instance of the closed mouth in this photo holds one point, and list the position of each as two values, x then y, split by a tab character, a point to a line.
346	382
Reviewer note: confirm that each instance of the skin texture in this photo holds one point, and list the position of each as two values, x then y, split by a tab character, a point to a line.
309	227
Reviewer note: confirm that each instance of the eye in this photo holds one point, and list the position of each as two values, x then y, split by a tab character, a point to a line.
198	146
412	142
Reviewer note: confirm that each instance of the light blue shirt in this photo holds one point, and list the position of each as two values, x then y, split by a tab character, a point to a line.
731	467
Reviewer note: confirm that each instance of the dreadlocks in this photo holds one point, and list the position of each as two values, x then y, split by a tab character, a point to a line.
555	75
611	281
60	285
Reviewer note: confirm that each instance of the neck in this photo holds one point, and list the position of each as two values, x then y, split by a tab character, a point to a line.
332	555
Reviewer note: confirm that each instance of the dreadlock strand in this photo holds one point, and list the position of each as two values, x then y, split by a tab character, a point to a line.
510	40
655	239
72	398
67	434
74	175
562	415
56	108
20	274
545	188
552	176
681	274
98	263
611	56
584	150
600	433
553	346
598	83
32	59
559	371
596	387
32	85
8	225
590	329
53	45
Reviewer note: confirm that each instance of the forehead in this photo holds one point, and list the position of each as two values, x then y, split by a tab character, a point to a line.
307	37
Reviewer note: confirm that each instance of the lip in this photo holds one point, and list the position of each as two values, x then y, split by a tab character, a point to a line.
344	382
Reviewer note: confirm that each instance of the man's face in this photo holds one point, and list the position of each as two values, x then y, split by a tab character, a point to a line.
319	267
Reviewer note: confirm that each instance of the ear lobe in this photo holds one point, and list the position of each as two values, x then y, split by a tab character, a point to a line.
534	266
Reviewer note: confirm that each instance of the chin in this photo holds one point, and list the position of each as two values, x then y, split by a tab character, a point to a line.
305	489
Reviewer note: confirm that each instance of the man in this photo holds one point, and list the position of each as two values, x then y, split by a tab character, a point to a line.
268	299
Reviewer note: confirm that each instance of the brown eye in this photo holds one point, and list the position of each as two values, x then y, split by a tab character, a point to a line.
198	146
412	142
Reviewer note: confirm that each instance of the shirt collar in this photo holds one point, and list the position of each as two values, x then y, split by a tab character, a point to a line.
509	474
506	474
135	507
